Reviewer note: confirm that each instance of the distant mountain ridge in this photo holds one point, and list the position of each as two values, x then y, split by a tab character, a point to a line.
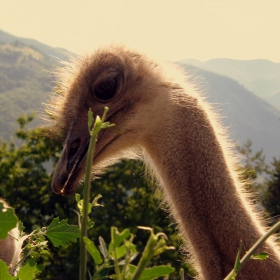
246	115
25	83
53	53
259	76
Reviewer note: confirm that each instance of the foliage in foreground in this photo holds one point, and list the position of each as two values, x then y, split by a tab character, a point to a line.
34	245
115	262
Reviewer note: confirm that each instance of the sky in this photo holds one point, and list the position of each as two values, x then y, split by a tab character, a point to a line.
169	30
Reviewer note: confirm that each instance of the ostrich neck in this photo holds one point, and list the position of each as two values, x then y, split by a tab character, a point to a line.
204	195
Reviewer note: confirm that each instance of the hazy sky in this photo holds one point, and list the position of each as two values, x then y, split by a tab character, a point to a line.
172	30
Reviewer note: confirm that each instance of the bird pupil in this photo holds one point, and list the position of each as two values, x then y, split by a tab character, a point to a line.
106	90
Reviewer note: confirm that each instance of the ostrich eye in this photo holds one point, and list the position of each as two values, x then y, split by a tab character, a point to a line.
107	89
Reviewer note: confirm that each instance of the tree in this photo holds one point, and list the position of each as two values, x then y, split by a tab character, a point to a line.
271	199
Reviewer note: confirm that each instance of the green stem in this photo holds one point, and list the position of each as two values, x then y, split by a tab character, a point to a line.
252	250
127	257
117	265
146	257
98	125
182	274
86	195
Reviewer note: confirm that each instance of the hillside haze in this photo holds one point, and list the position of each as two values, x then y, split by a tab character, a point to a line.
25	82
246	115
259	76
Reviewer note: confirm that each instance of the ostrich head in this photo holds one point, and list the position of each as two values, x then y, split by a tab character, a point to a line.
117	78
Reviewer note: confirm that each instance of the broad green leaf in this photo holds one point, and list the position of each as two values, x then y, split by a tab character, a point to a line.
131	247
29	271
93	250
120	251
8	220
4	272
60	233
117	238
153	272
261	256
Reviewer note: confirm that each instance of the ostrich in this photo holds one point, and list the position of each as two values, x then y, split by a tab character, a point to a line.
159	117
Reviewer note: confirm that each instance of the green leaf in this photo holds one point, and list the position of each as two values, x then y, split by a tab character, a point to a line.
153	272
95	201
29	271
77	197
80	205
161	247
60	233
92	250
8	220
131	247
4	271
261	256
21	227
120	251
103	248
117	238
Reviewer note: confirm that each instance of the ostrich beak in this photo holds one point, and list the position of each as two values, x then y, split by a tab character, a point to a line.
70	167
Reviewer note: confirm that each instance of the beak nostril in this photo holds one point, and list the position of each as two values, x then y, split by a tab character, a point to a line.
74	148
75	144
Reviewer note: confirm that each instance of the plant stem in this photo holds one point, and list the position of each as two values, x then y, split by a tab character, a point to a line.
182	274
98	125
252	250
118	273
86	195
146	256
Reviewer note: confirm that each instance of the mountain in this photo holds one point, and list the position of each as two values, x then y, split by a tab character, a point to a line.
53	53
259	76
246	115
25	83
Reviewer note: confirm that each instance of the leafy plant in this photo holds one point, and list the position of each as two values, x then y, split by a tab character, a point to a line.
33	245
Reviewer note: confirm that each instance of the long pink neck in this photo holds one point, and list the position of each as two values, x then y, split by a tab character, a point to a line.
204	196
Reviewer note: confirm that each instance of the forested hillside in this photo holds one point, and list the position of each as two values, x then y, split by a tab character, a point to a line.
24	83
